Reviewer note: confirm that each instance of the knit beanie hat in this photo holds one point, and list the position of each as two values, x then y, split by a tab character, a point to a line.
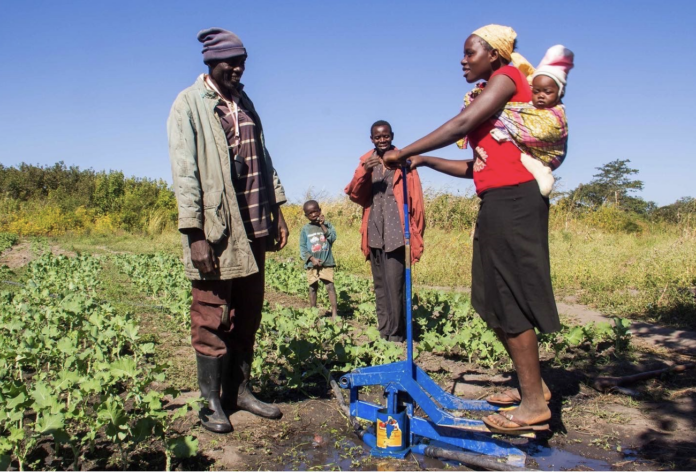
556	63
219	44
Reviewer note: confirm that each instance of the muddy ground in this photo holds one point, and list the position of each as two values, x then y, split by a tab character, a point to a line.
649	427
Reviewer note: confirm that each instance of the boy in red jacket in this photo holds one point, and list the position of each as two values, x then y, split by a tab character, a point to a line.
379	191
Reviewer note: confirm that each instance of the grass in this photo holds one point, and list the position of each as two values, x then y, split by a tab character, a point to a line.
645	274
120	241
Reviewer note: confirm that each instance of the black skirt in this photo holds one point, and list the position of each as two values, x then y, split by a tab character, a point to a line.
511	274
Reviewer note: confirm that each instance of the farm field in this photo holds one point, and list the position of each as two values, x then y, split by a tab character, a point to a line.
103	376
231	121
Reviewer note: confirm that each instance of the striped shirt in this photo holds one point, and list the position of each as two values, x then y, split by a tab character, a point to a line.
249	184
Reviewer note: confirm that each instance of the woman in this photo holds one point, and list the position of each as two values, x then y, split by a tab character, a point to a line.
511	280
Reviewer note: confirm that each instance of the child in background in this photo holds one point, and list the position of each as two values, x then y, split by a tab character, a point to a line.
316	239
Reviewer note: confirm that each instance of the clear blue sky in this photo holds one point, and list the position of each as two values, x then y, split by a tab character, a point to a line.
91	82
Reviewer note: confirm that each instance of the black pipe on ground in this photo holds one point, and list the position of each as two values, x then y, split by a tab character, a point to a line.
359	431
479	461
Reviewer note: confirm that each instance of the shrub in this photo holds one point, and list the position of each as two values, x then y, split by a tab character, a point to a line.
613	220
42	201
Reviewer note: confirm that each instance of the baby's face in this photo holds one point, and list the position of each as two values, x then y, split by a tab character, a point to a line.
545	92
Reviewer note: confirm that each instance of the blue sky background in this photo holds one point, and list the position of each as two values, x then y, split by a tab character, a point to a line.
91	82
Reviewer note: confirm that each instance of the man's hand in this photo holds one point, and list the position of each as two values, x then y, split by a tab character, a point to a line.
282	231
202	255
321	219
371	162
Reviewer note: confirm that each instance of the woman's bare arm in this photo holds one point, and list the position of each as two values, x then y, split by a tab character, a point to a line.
457	168
497	93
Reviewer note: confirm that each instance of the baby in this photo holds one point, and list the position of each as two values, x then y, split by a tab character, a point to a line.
548	88
538	128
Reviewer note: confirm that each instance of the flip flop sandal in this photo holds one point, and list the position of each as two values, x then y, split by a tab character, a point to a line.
516	399
521	425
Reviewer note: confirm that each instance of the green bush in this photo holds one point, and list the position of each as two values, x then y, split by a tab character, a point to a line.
54	200
7	240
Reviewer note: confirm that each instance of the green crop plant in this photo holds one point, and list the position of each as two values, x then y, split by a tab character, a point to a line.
161	277
74	369
7	240
294	345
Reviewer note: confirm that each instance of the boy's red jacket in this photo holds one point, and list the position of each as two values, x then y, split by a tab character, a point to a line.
360	191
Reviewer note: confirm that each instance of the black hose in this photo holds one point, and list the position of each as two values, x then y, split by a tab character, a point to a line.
480	461
359	431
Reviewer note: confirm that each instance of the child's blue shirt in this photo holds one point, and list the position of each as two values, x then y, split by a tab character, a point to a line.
314	242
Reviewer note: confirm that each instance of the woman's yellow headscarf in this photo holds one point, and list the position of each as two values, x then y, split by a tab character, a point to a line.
502	38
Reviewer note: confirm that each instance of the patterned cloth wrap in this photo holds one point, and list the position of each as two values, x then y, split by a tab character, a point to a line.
540	133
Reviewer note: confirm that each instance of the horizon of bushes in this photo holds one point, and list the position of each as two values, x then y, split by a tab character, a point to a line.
55	200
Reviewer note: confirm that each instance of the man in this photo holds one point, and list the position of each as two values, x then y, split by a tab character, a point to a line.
379	191
229	198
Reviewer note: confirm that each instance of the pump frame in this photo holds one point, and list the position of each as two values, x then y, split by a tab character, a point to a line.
407	387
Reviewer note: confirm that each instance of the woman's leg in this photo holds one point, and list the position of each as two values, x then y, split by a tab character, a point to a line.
512	396
516	282
524	351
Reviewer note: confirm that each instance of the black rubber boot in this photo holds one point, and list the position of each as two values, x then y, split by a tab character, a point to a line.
236	391
212	416
229	388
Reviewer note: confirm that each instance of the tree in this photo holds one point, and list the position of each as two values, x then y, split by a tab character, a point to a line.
611	186
683	209
613	179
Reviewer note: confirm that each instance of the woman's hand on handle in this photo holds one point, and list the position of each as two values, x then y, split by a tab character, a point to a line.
417	161
392	159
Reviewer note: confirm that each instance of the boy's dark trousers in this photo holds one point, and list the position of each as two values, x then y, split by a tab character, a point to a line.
388	274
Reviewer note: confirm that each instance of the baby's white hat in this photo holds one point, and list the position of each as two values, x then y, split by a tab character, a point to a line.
556	63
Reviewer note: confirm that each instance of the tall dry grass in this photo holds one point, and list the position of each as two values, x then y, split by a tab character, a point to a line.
620	264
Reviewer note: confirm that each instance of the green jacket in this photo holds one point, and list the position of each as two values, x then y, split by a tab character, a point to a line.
202	176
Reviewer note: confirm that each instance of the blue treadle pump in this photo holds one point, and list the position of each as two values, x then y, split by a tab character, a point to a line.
398	430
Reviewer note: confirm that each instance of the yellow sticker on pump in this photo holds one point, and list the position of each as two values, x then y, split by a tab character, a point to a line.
391	439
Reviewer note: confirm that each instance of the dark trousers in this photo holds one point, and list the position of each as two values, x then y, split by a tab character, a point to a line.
238	301
388	274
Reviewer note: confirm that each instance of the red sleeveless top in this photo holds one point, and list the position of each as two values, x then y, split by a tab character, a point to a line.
498	164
